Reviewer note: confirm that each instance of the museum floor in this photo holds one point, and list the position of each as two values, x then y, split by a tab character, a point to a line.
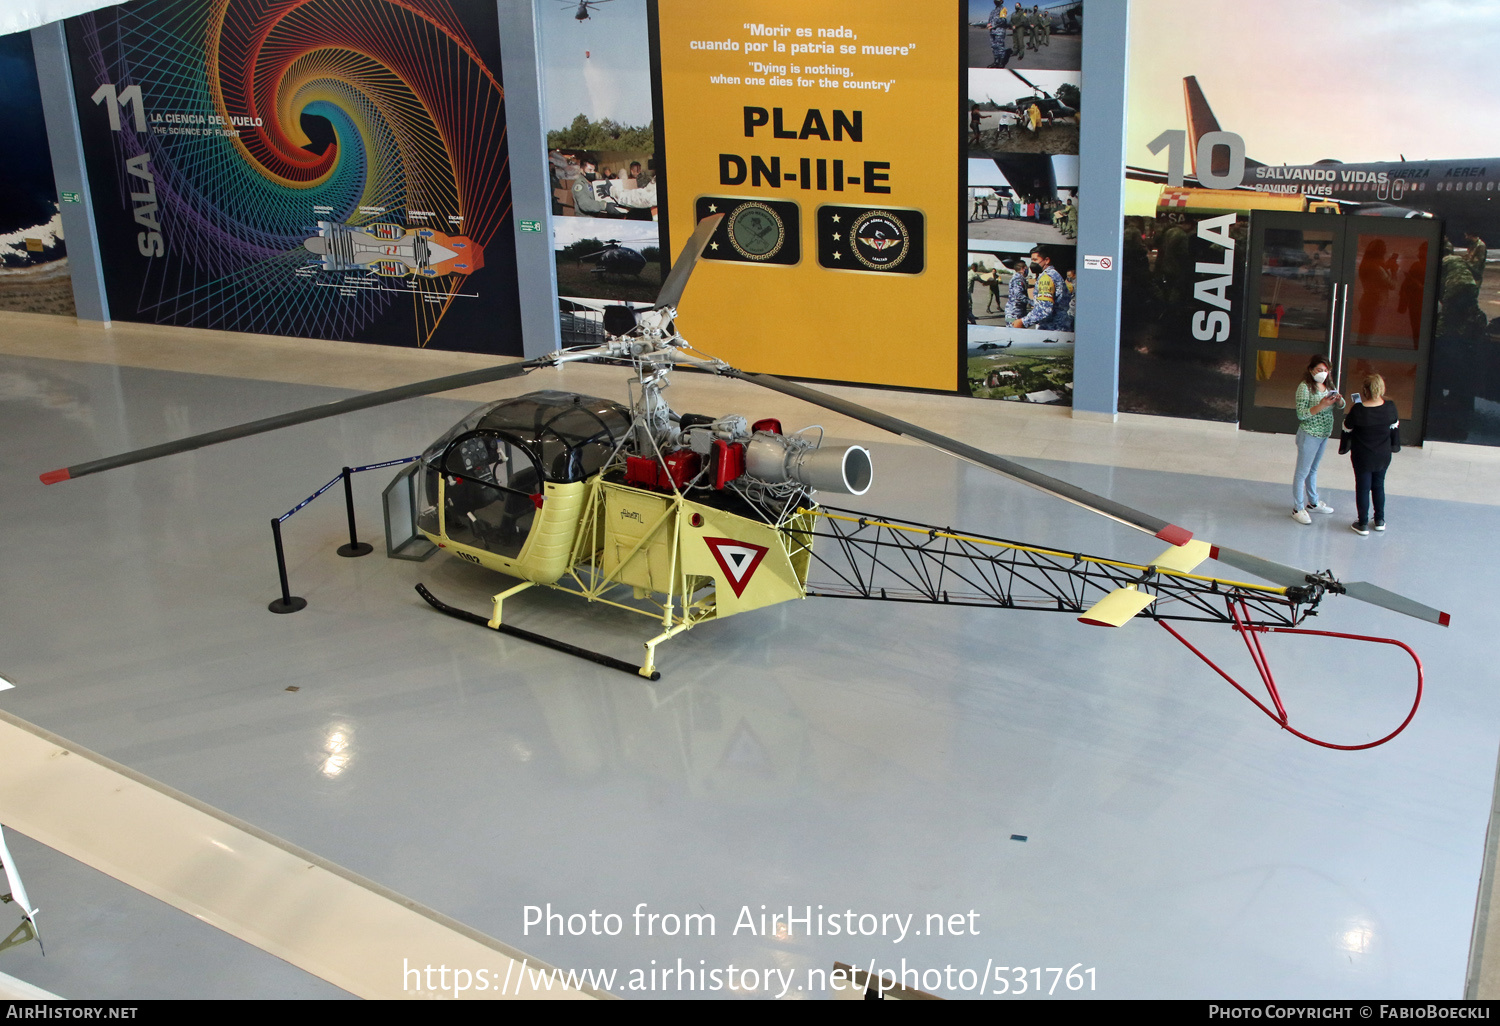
1098	798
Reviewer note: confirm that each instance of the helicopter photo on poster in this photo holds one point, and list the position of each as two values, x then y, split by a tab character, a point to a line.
601	150
1011	112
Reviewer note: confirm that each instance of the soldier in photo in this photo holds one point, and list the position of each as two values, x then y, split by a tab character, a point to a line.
1049	310
1476	256
999	26
995	304
1018	298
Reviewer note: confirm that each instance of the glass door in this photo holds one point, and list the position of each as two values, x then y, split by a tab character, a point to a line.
1289	315
1356	290
1389	269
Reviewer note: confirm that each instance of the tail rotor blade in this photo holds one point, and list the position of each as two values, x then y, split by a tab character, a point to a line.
281	420
1291	577
677	277
1375	595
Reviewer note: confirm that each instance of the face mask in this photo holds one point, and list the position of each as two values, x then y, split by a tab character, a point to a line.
1036	268
1320	377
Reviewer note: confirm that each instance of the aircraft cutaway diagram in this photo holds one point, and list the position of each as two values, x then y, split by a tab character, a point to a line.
391	251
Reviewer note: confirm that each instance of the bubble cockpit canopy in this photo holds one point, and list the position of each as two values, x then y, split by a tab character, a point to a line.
569	436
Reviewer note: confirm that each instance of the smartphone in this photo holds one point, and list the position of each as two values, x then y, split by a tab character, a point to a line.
1354	398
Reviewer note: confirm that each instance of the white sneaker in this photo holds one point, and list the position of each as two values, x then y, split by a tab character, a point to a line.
1321	507
1300	515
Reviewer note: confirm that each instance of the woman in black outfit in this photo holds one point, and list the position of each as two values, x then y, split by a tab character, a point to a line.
1372	427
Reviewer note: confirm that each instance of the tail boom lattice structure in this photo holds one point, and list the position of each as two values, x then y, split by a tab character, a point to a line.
904	561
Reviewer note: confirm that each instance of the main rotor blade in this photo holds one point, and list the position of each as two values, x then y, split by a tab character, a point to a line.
677	277
1167	532
1029	82
281	420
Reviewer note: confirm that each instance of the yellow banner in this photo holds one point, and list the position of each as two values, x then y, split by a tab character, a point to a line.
828	133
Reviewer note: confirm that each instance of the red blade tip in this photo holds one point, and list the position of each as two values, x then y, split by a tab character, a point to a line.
1443	619
54	476
1174	535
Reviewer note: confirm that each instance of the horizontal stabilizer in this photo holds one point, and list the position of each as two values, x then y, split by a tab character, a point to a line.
1183	558
1119	606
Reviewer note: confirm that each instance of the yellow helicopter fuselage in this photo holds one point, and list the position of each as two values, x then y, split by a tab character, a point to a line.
659	554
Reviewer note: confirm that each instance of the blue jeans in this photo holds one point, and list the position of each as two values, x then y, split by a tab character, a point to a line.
1305	480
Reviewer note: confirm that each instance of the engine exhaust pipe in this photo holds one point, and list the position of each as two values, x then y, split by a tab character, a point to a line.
771	458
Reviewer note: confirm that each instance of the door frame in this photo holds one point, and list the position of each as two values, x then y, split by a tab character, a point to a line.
1337	347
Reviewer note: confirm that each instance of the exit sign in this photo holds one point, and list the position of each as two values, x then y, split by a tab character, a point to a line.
70	197
531	226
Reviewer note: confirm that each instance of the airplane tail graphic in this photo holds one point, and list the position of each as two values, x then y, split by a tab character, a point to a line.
1201	121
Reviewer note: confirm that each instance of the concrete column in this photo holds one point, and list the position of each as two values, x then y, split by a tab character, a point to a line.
55	76
1101	209
526	134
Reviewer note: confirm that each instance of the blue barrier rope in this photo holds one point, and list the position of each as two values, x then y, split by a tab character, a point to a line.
339	477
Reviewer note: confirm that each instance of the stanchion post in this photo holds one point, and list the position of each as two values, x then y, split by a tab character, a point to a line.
355	546
287	603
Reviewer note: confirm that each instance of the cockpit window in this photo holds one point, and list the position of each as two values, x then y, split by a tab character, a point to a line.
490	483
568	436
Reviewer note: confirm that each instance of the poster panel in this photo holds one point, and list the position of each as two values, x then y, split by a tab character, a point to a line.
602	167
320	168
1324	130
1020	198
34	276
823	133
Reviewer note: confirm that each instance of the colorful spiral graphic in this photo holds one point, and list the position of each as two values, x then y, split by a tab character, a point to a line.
272	122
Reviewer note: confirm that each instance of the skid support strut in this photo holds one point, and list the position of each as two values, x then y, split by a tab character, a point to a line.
537	639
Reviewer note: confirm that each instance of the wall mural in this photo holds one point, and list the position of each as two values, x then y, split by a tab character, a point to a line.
1323	130
34	276
1023	94
601	160
317	168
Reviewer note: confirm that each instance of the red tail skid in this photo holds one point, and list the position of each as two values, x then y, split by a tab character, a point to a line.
1251	633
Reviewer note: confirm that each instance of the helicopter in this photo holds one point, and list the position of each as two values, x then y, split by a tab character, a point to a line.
616	258
1050	106
688	518
584	7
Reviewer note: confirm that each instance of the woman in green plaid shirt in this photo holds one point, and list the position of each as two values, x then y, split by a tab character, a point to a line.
1315	403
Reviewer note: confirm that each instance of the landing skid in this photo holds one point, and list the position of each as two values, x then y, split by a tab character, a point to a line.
516	632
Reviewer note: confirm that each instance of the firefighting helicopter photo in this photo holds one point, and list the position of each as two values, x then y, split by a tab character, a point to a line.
583	7
685	518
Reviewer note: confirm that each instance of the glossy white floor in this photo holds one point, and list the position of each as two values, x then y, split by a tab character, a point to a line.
859	756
